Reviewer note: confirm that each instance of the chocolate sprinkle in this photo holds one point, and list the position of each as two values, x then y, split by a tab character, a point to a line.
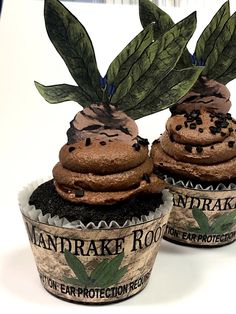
222	133
146	178
155	142
142	141
172	138
199	149
136	146
188	148
200	130
230	130
102	143
71	149
186	124
87	141
79	193
193	126
199	121
231	144
178	127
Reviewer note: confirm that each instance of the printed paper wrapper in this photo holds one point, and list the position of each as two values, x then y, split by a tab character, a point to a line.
203	217
95	265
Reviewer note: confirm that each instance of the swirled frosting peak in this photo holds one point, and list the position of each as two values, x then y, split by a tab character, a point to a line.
207	94
104	161
200	145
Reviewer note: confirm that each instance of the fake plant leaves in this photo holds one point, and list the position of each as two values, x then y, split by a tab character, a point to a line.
72	42
78	268
105	273
63	92
120	66
221	60
157	60
221	63
208	37
149	13
223	223
111	273
201	219
171	89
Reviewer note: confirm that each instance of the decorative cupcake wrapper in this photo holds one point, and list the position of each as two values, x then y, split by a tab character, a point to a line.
203	217
198	186
36	214
92	264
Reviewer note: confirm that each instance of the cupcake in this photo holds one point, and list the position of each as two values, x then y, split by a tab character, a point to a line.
196	155
95	227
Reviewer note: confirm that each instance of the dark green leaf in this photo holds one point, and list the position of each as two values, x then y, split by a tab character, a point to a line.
115	278
78	268
73	281
63	92
223	222
98	271
154	64
201	219
149	12
72	42
223	51
112	267
167	93
208	37
120	66
224	69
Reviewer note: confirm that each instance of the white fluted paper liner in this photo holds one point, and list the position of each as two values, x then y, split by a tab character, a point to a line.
197	186
36	214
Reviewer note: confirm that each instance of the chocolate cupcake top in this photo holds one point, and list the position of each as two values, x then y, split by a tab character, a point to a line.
198	145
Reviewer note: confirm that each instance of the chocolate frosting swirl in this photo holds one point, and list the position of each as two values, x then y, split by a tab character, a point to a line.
104	161
206	94
200	145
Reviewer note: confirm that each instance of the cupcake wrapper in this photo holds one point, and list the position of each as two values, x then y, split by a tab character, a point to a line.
201	216
36	214
94	264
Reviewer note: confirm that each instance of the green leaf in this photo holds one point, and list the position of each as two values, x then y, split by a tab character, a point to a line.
149	12
172	88
115	278
167	93
73	281
107	276
120	66
223	222
63	92
78	268
208	37
201	219
98	271
222	54
154	64
72	42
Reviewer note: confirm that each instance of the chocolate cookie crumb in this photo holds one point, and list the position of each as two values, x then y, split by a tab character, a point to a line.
79	193
193	126
199	149
200	130
188	148
71	149
146	178
178	127
87	141
136	146
231	144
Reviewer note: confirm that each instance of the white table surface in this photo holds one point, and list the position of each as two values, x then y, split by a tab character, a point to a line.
184	280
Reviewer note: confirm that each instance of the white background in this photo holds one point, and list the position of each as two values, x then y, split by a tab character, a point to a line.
184	280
